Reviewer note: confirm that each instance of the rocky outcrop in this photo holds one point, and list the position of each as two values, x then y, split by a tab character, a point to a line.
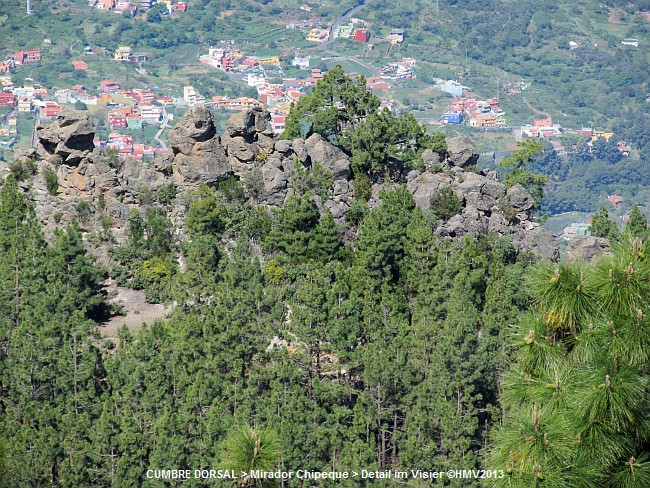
69	139
587	248
328	156
197	154
264	163
424	185
110	188
462	151
487	204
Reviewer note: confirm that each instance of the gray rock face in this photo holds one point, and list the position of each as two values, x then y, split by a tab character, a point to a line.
300	150
424	185
197	152
282	146
196	125
431	158
69	139
276	180
463	151
331	158
519	198
537	240
587	248
248	123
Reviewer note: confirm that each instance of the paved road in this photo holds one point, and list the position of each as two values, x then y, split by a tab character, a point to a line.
330	38
37	122
344	18
163	126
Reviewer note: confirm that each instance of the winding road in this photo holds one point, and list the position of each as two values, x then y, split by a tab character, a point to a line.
344	18
163	126
323	46
537	111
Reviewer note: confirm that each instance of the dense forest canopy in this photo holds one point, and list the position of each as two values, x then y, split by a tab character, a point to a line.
386	354
296	342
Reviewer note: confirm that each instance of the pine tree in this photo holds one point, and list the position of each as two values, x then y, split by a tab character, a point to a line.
575	402
637	225
251	448
601	226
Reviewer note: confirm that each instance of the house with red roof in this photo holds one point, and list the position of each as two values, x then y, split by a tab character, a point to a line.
51	110
29	56
179	7
615	200
109	86
105	4
80	65
376	83
547	122
361	35
7	99
116	119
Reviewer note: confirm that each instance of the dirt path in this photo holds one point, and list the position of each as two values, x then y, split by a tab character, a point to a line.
539	112
136	311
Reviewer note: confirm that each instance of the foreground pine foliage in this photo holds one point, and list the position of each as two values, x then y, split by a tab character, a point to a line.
576	401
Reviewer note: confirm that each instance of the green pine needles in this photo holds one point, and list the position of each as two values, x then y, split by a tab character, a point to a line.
249	449
575	404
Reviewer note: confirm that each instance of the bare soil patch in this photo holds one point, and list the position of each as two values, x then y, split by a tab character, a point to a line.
136	311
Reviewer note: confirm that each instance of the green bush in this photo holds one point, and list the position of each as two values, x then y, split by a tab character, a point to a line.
445	204
23	169
51	182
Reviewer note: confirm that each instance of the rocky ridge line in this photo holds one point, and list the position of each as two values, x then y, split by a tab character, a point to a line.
109	187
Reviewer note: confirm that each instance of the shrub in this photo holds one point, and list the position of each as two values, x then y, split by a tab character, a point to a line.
51	182
166	194
23	169
445	204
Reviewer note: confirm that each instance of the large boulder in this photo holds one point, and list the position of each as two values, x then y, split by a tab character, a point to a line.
470	221
136	175
469	183
533	238
275	180
69	139
330	157
462	151
198	155
196	125
587	248
248	123
424	185
206	164
519	198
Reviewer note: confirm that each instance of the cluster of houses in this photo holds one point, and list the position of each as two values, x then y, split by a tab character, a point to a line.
546	129
123	144
277	97
28	98
475	113
125	109
352	30
231	59
20	57
542	129
401	70
132	6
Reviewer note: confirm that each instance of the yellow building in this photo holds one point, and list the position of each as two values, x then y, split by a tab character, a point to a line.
123	53
603	134
270	60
